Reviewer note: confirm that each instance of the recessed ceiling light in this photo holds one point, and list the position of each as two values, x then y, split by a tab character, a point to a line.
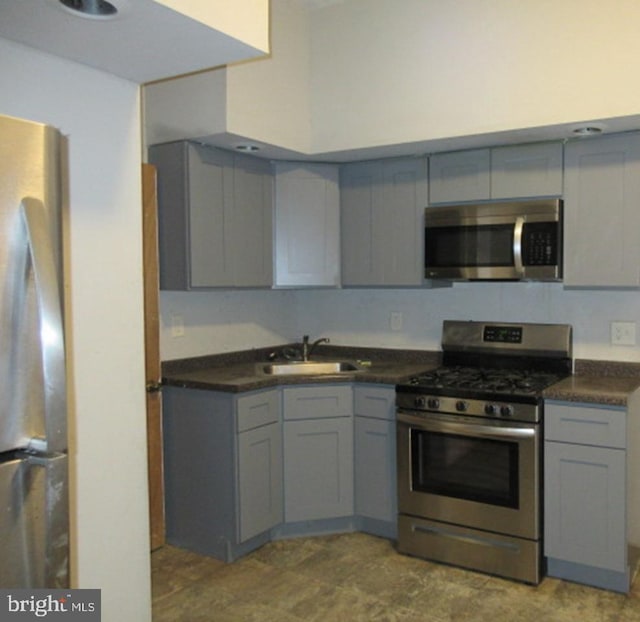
587	130
248	147
98	9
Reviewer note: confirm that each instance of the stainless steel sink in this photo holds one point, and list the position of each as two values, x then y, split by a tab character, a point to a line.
308	367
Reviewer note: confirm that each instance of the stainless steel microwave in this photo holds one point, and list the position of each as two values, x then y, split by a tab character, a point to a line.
495	241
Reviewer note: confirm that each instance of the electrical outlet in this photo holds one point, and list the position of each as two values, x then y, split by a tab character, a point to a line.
177	325
396	320
623	333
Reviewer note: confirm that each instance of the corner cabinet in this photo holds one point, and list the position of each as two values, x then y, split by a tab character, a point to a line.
382	230
215	211
590	486
518	171
375	459
318	452
602	212
307	227
223	470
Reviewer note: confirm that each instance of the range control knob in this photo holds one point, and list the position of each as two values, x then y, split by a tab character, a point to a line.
491	409
506	411
461	406
420	402
433	403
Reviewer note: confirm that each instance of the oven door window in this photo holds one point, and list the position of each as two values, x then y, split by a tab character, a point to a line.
458	247
465	467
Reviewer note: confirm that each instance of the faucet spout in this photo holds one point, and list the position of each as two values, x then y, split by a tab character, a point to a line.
307	349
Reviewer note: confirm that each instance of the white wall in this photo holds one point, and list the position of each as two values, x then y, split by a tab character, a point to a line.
372	73
226	321
100	115
222	322
268	99
393	72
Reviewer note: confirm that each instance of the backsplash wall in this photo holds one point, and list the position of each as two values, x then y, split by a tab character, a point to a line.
224	321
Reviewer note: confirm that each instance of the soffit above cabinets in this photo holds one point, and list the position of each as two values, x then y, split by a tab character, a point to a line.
145	41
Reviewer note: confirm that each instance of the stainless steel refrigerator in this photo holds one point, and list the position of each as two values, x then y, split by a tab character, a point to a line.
34	533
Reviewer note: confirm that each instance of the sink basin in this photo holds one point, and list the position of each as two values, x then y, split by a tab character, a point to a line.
308	367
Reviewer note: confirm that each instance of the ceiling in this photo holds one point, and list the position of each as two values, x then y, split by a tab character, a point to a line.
145	41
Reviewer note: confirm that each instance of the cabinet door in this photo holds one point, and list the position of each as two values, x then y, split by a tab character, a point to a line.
375	469
251	243
585	505
318	469
210	191
399	232
307	225
194	186
360	206
526	171
602	212
460	176
260	485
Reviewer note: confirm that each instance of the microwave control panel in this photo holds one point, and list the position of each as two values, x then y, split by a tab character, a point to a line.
540	244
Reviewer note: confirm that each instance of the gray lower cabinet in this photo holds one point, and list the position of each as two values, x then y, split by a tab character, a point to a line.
223	469
586	516
375	459
318	453
215	212
260	460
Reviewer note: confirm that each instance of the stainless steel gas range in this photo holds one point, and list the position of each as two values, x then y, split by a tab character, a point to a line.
470	447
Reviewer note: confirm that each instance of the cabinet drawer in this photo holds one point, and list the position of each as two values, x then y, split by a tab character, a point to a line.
376	402
258	409
318	402
586	425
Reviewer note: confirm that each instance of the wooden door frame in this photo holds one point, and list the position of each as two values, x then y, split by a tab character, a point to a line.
153	372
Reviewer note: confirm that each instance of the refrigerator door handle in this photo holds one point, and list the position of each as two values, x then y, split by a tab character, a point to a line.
49	301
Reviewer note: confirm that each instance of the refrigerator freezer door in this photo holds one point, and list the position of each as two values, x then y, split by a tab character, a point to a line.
33	523
30	193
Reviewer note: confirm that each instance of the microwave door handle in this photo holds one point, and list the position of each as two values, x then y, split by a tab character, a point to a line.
517	246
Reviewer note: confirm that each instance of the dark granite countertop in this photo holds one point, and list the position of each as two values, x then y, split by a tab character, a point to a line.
598	382
609	383
238	372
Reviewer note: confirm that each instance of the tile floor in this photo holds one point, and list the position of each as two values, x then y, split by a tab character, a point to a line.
356	577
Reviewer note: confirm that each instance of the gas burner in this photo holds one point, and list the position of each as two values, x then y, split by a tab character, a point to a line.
504	381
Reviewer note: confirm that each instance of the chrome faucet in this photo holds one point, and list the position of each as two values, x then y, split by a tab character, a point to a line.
308	349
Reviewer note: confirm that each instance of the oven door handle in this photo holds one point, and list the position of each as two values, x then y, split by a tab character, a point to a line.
479	430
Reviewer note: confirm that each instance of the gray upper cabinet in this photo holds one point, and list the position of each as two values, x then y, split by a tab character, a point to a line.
214	217
460	176
519	171
382	204
307	230
526	171
602	212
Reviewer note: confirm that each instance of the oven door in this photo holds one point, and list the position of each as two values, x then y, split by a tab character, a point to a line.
470	471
